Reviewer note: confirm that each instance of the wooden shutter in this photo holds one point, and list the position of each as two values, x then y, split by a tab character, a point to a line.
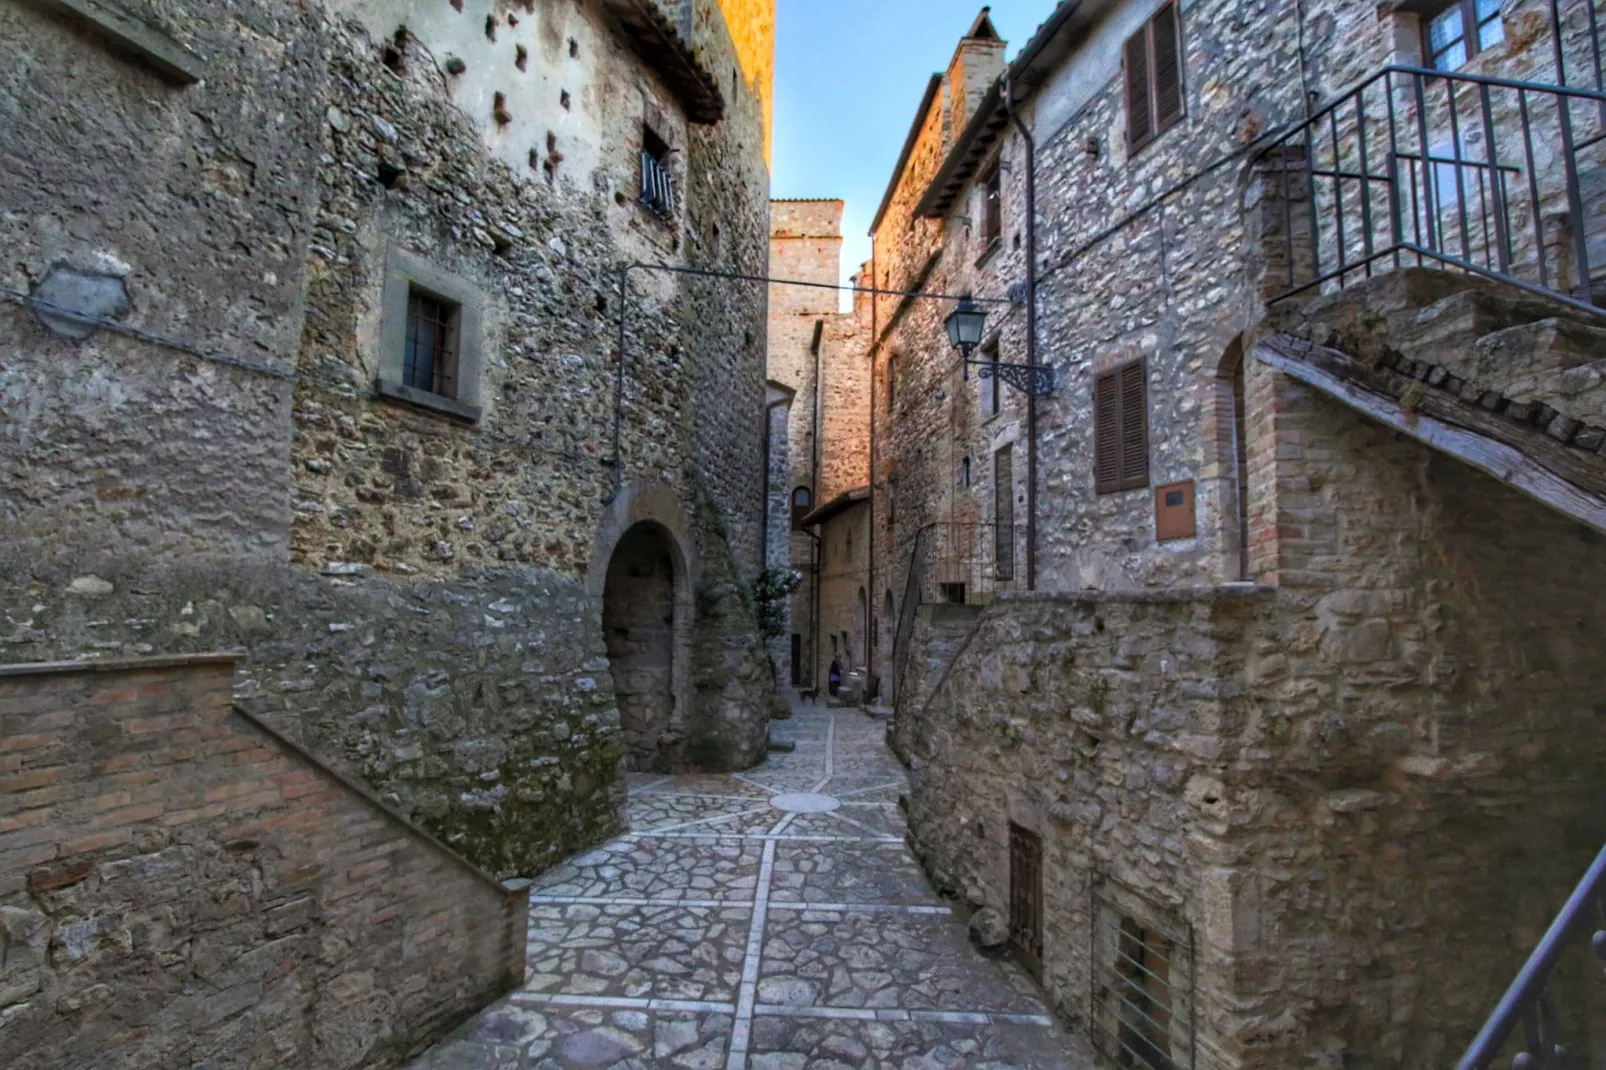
1139	124
1004	512
1134	425
1121	429
1167	61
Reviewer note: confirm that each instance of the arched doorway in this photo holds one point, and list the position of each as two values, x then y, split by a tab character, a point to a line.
638	622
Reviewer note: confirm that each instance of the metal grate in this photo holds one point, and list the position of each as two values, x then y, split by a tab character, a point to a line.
1142	985
1026	894
657	186
430	361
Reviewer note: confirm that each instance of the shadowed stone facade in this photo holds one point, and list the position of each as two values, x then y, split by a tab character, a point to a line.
1344	798
417	584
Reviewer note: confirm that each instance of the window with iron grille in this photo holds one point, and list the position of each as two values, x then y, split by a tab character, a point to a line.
1026	895
430	360
657	181
990	385
1121	428
1143	983
1152	70
1454	32
992	212
1004	512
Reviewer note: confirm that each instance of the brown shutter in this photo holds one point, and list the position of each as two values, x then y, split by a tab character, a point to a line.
1139	125
1134	425
1106	433
1167	69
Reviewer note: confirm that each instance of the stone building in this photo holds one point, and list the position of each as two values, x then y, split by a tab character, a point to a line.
818	352
1240	673
352	401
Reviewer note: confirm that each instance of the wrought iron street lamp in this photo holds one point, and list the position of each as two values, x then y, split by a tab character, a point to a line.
966	325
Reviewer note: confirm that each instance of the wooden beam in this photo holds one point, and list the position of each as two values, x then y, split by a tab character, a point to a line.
133	35
1527	460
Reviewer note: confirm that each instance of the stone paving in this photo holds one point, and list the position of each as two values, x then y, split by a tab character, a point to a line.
771	920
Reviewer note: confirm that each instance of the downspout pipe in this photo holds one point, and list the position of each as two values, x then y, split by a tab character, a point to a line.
875	632
1031	327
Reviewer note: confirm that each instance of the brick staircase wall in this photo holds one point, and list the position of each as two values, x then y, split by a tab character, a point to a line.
180	886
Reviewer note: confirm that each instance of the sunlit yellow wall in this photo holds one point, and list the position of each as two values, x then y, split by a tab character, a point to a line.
752	29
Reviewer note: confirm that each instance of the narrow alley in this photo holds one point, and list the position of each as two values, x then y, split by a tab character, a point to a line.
772	920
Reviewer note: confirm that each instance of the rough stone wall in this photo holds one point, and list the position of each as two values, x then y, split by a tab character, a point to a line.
844	594
1332	785
182	887
415	592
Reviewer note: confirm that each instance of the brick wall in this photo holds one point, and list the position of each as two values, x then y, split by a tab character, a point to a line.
179	886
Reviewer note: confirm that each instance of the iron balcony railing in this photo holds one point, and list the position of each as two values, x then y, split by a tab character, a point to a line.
1528	1002
1426	167
956	563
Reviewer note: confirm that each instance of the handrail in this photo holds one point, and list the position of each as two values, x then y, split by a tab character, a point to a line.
1528	1001
1419	165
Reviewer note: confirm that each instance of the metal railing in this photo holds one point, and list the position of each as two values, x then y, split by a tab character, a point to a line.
1528	1002
1143	1006
657	186
1423	167
954	563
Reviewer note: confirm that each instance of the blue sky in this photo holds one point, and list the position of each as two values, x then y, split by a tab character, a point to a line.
848	77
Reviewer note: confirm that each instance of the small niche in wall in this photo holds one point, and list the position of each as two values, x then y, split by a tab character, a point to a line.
574	49
499	109
393	54
563	99
490	27
522	58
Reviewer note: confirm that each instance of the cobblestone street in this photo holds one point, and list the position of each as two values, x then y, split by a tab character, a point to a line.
772	920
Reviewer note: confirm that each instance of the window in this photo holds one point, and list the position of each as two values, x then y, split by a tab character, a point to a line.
1153	73
892	502
1121	428
964	472
1457	32
802	503
431	337
1143	987
430	360
989	384
657	182
1004	512
992	211
892	380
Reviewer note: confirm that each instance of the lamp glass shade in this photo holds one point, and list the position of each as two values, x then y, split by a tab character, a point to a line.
965	324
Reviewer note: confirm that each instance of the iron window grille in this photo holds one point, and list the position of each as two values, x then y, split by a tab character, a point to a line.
1455	32
1143	1013
1026	895
429	362
657	182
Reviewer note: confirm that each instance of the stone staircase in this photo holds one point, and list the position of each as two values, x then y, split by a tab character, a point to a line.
1511	383
941	632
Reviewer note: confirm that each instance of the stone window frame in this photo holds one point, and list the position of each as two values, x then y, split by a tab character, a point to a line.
406	272
1114	905
990	187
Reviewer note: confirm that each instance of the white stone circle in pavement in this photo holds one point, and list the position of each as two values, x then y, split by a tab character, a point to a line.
805	802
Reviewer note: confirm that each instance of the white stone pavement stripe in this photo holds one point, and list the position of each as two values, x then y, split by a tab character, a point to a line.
866	791
734	904
866	829
651	784
718	798
716	819
556	999
830	753
775	1010
758	836
884	1014
742	1029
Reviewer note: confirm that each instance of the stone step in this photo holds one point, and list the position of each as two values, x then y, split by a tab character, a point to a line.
1553	363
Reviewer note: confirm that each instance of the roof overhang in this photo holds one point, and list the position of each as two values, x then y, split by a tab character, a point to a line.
933	87
840	504
657	41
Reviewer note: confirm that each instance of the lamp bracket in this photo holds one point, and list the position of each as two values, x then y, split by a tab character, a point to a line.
1034	379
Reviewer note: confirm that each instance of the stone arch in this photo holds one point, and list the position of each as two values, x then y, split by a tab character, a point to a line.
1226	470
643	571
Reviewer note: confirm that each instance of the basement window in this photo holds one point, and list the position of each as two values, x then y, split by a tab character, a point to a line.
1142	984
657	181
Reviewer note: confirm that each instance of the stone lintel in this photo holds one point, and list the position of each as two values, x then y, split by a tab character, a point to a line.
133	35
